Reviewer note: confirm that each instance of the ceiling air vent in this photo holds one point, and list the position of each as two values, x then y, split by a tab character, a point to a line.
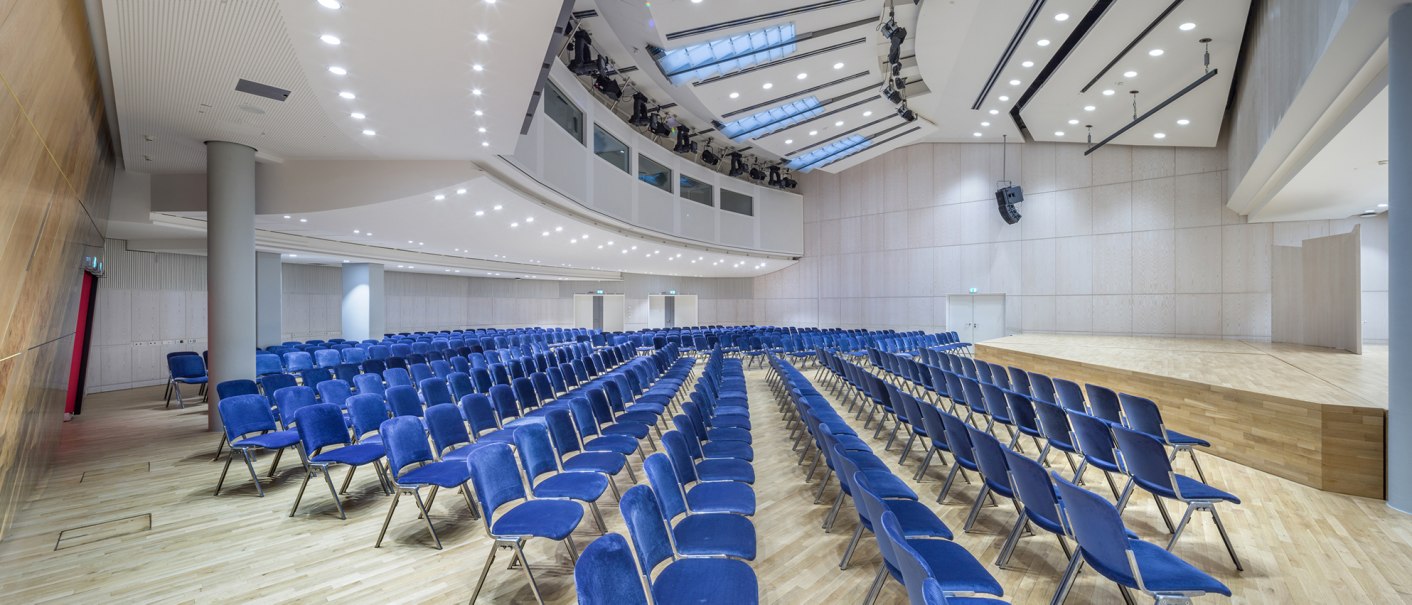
261	90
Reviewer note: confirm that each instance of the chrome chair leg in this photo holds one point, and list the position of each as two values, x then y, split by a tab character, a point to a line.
1181	526
347	480
1221	527
275	464
876	588
308	474
220	446
426	514
336	500
1162	508
852	545
976	508
573	550
1076	562
250	465
388	519
224	470
489	560
598	518
1011	541
950	478
524	564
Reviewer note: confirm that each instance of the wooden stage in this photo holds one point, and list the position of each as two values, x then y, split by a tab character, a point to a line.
1308	414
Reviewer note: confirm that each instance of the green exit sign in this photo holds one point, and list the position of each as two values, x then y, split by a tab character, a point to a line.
973	290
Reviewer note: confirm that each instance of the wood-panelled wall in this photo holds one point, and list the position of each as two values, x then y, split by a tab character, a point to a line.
56	171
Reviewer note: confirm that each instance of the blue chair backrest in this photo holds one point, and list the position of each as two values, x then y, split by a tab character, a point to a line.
405	443
245	414
675	446
420	372
1070	394
239	386
536	452
1145	458
336	392
1032	487
446	427
297	361
327	358
561	432
990	457
524	392
441	368
543	389
289	400
355	355
1098	528
1093	437
267	363
1054	423
370	384
1042	388
503	397
1021	410
313	376
959	440
495	477
397	377
479	413
186	366
1103	403
367	410
646	526
274	382
665	485
908	561
403	401
604	574
481	377
584	417
435	391
1141	414
460	384
321	425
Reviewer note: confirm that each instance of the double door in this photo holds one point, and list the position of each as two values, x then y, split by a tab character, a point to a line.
976	317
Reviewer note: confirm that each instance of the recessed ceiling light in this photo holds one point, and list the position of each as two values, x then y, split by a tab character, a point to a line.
1004	98
497	207
347	95
1159	135
975	134
1156	52
475	91
838	123
357	231
369	132
813	132
333	4
1043	42
514	224
529	220
985	124
838	66
482	37
1058	133
995	112
485	143
789	141
294	256
867	113
574	240
1183	122
439	197
1073	122
303	220
1027	64
337	71
478	67
558	229
331	39
490	1
1061	17
1186	27
1014	82
1089	108
480	213
735	95
1108	93
1382	205
357	115
479	113
767	86
460	192
544	234
801	76
1129	74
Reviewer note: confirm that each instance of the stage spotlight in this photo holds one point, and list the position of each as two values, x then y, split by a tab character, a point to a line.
895	38
756	173
892	94
658	125
905	113
787	182
709	158
639	110
1006	198
582	63
684	142
608	86
737	166
774	180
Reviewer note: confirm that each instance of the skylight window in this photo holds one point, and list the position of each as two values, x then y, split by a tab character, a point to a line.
770	120
725	55
830	153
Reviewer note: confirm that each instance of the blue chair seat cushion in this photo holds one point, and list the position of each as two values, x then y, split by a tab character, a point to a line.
1162	571
721	497
461	453
887	486
1176	438
598	462
629	430
1196	490
725	469
694	581
192	380
639	417
715	534
621	444
957	569
645	408
728	449
553	519
731	422
506	436
726	433
578	486
448	473
355	455
272	440
917	519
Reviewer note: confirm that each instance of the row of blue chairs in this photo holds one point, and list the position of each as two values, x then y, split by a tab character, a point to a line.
1120	434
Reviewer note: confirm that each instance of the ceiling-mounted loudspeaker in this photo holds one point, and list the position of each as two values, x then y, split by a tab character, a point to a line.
1006	198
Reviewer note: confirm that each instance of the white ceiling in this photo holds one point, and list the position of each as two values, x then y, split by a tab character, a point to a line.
1347	177
409	65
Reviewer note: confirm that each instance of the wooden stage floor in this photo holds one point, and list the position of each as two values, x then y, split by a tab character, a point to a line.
126	457
1309	414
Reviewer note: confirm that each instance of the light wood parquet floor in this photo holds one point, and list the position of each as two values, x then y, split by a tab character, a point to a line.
127	456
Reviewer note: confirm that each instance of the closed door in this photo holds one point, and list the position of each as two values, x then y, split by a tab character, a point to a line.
960	311
987	317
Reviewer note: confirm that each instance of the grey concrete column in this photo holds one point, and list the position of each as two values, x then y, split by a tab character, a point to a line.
1399	416
269	285
230	264
362	301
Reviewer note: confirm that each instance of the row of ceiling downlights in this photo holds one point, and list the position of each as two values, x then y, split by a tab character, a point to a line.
341	71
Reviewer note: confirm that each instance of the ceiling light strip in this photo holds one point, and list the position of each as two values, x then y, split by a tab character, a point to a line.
874	146
859	145
1127	49
1150	112
851	132
808	8
800	93
562	32
1015	41
1081	30
824	115
759	66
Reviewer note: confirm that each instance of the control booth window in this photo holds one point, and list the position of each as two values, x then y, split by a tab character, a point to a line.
558	107
609	148
696	191
651	172
738	203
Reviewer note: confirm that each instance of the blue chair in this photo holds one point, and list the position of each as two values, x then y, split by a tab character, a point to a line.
1145	460
681	581
268	363
572	456
591	436
185	369
420	372
1103	403
917	519
273	382
604	574
1141	414
714	449
1131	563
697	533
1058	435
1039	505
397	377
288	402
413	466
962	452
435	392
497	482
923	587
1070	395
995	475
709	470
370	384
449	438
336	392
297	361
231	388
1095	443
367	411
935	438
249	426
1042	388
402	400
480	416
322	426
707	496
538	459
327	358
951	564
313	376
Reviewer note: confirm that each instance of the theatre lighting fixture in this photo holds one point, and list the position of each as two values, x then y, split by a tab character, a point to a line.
708	157
583	63
737	165
608	86
684	142
774	180
640	116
